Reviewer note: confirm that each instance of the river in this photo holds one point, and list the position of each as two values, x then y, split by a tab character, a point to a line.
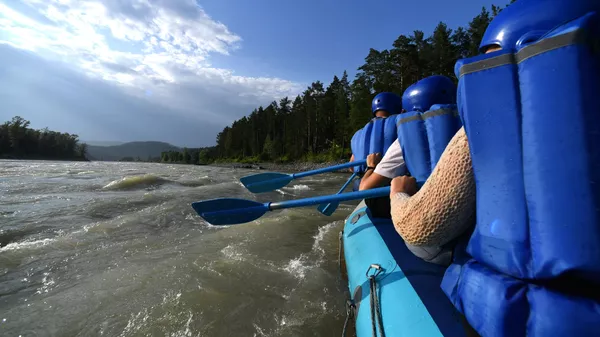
115	249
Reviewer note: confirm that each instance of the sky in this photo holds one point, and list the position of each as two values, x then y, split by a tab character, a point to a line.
179	71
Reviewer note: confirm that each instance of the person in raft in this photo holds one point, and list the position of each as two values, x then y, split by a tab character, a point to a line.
414	211
377	136
443	209
383	105
418	97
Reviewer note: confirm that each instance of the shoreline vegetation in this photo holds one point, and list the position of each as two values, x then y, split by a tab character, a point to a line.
208	156
18	141
281	167
203	156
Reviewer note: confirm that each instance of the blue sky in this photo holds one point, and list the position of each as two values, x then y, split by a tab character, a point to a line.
180	70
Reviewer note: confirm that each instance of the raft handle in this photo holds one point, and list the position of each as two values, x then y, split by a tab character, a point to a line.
378	269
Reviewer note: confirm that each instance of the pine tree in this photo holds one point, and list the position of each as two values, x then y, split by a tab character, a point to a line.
476	30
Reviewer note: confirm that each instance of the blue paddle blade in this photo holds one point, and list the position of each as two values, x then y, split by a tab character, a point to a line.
328	209
266	182
229	211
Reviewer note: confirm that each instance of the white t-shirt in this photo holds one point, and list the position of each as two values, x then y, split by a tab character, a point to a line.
392	164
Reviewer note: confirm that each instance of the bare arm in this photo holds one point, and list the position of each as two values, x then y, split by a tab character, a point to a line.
444	206
372	180
391	165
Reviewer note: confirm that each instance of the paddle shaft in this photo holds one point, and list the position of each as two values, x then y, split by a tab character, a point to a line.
329	169
231	211
373	193
328	209
347	182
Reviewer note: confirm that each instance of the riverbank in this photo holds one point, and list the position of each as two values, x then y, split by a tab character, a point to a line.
267	166
12	157
287	167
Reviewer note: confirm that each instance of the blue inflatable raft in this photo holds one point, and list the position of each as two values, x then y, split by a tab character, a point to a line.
411	302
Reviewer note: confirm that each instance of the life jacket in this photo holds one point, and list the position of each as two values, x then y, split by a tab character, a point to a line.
423	137
533	265
375	137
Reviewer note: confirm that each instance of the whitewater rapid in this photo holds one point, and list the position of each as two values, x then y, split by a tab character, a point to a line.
114	249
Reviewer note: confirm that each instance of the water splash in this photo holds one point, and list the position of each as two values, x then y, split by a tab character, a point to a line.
27	244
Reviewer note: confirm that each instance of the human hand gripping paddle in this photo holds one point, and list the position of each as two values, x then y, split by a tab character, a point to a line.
270	181
231	211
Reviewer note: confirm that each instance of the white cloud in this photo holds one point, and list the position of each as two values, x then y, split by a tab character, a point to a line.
158	50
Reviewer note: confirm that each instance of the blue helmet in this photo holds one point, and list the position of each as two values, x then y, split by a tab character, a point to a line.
526	21
387	101
429	91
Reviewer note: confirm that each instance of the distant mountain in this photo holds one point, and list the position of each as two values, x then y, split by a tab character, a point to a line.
143	150
101	142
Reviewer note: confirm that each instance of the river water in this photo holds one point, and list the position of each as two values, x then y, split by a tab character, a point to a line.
115	249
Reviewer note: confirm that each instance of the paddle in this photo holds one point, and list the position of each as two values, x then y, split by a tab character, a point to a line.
270	181
231	211
328	209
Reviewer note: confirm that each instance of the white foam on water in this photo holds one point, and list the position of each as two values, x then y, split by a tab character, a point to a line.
47	284
316	180
27	244
135	322
322	232
209	225
185	331
232	253
171	297
259	331
86	172
298	266
284	192
288	321
209	267
299	188
143	319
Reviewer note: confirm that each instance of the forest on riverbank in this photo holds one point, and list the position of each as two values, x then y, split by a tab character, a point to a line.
318	124
18	141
